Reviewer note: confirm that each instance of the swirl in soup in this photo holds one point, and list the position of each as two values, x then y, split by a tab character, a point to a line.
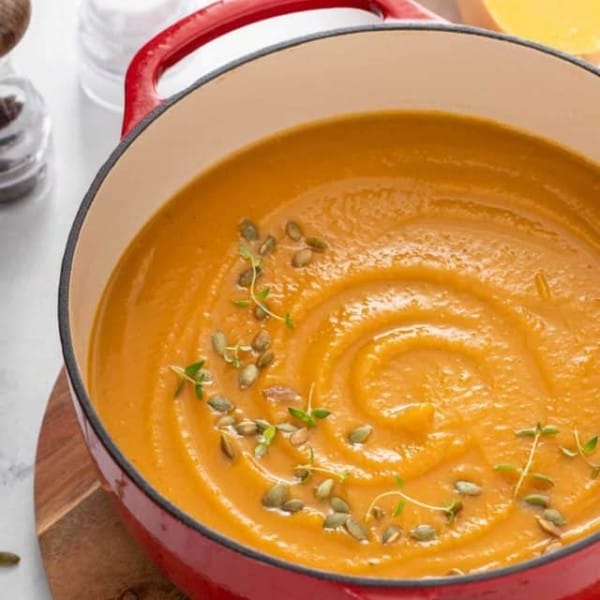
368	346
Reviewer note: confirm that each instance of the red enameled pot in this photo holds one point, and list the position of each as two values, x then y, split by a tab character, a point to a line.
409	61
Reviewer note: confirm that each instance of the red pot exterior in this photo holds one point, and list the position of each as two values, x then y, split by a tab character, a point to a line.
206	569
203	565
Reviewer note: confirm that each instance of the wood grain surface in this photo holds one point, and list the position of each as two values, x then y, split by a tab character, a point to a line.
86	550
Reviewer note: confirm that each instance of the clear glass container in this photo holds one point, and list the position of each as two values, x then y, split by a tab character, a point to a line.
110	32
25	137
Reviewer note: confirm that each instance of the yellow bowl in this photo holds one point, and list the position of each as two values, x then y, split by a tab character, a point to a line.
569	25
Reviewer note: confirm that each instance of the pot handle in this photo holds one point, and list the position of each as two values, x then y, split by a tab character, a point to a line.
195	30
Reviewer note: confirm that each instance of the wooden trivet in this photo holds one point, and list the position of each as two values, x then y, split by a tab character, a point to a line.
86	550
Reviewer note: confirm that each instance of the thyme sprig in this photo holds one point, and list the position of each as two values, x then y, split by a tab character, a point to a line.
193	374
309	468
451	509
310	415
537	433
259	297
583	450
231	354
265	439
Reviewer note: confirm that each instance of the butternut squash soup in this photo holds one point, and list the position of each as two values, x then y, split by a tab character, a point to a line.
369	346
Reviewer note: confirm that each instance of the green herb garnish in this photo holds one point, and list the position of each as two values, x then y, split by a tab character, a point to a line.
259	297
583	450
398	509
450	510
536	433
342	477
310	415
242	303
309	468
265	440
192	374
231	354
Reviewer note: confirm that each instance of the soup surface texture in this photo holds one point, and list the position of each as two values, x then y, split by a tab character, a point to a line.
456	304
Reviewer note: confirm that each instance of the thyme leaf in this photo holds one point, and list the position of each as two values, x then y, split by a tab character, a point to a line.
310	415
258	298
451	509
583	450
191	374
537	433
265	440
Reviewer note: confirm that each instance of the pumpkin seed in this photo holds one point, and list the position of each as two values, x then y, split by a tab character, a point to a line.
260	450
390	534
293	231
549	527
262	424
302	258
317	244
226	421
335	520
220	404
265	359
324	489
339	505
537	500
245	277
280	393
355	529
455	571
8	559
378	513
248	230
248	376
219	343
287	427
247	428
260	314
467	488
360	434
227	447
423	533
261	341
552	515
268	246
292	506
277	496
303	474
300	437
205	376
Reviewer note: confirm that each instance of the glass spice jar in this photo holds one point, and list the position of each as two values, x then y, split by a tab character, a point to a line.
25	139
110	32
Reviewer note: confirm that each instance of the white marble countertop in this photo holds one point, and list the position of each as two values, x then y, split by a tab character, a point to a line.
32	237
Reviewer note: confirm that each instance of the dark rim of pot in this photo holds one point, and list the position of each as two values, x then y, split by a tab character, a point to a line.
105	438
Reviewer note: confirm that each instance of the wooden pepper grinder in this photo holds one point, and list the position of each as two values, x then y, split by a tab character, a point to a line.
25	139
14	16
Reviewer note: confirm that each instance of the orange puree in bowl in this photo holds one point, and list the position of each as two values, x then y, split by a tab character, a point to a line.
568	25
457	303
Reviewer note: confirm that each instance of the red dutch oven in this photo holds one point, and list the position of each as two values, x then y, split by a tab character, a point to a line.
410	61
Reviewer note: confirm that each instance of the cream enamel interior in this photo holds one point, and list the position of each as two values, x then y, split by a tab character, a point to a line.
362	71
